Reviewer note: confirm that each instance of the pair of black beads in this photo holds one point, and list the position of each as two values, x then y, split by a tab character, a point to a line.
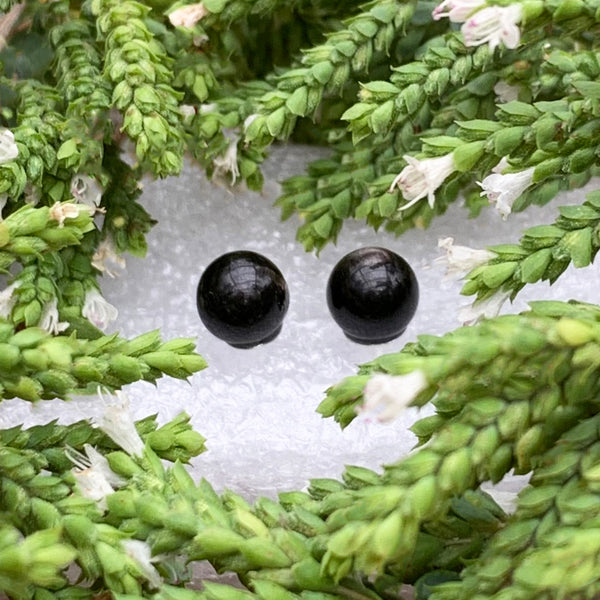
372	294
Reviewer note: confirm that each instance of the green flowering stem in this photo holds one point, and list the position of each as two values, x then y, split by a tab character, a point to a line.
543	253
138	67
39	121
326	69
30	231
173	441
37	559
413	87
563	493
78	70
37	365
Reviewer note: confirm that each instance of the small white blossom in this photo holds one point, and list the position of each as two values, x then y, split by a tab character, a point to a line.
389	395
187	111
228	163
487	308
422	178
504	189
118	423
86	190
507	501
493	25
8	147
207	107
60	211
188	16
459	260
506	92
95	479
98	310
105	253
501	166
32	193
140	553
457	11
8	299
49	318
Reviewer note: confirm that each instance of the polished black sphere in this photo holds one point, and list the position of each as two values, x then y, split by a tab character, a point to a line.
372	294
242	299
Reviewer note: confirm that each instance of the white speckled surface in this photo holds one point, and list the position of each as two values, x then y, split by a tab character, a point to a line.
257	406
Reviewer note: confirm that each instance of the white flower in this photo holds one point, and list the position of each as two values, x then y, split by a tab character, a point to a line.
487	308
389	395
60	211
105	253
421	178
95	479
503	190
86	190
492	25
188	16
456	10
32	193
8	148
506	92
459	260
98	310
49	318
8	299
118	424
228	162
501	165
187	111
140	553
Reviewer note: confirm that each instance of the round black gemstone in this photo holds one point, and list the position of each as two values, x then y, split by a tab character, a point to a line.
372	294
242	299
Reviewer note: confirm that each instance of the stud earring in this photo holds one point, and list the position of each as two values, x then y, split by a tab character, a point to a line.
242	298
372	294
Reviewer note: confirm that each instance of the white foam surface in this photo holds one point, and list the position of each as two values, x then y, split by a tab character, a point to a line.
257	407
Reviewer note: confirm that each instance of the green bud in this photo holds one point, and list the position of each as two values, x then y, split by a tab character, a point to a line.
57	382
80	529
127	368
264	553
10	356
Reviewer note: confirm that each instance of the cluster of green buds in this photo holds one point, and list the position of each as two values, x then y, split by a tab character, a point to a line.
138	67
35	364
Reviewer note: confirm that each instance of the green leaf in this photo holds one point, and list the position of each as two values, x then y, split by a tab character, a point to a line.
297	103
215	6
535	265
67	149
578	245
356	111
495	275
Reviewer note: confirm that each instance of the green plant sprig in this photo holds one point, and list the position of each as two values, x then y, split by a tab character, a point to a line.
30	231
326	69
543	253
137	66
37	134
555	515
78	72
37	365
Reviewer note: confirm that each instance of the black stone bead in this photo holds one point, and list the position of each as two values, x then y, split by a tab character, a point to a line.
372	294
242	299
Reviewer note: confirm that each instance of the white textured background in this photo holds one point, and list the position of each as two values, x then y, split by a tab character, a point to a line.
257	407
